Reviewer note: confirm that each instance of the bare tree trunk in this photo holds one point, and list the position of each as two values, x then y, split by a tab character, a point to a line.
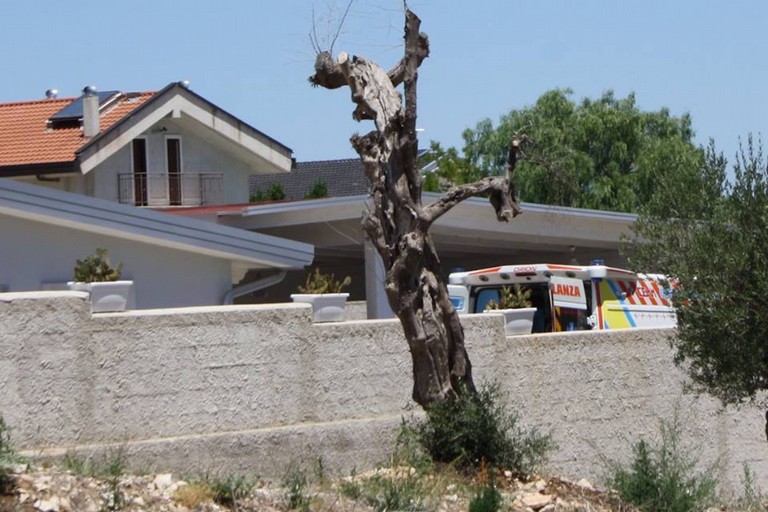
398	223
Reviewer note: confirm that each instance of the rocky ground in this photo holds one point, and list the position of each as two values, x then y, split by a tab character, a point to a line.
57	490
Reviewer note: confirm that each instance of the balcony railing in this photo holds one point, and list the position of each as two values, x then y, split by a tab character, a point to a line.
171	189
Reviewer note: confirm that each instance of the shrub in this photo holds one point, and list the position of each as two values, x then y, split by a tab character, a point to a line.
320	282
487	499
7	456
275	192
477	429
318	190
663	478
227	490
96	268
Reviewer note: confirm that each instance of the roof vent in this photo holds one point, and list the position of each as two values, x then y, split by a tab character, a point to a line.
51	94
184	84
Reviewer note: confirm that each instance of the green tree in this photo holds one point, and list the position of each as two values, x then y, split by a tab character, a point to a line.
450	168
711	235
604	154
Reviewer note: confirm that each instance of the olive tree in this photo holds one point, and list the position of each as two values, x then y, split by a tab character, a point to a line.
710	234
397	224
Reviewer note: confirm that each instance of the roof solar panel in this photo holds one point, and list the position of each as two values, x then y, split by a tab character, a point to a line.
74	111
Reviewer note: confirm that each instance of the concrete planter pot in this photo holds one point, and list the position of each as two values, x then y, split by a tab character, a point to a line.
107	296
326	307
516	321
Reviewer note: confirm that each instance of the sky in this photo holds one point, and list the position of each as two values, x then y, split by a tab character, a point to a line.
252	58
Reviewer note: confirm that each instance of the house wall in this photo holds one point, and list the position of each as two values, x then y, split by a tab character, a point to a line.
162	277
253	388
199	155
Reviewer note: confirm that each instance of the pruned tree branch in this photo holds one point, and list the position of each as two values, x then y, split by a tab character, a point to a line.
328	73
503	196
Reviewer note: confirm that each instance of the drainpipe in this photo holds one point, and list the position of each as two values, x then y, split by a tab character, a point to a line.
255	286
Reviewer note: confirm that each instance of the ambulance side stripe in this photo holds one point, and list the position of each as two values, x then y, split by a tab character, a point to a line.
618	293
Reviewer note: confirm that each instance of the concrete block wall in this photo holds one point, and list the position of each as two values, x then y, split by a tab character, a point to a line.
255	388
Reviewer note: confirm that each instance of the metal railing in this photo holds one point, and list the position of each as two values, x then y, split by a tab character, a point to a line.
171	189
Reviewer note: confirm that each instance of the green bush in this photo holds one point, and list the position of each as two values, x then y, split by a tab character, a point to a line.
476	429
96	268
275	192
663	478
7	455
227	490
319	190
487	499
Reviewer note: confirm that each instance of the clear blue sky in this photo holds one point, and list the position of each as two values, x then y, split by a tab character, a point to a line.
252	58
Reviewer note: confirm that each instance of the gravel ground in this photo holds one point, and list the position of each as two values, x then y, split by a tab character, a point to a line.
56	490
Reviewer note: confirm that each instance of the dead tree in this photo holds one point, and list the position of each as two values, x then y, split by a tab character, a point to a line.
398	223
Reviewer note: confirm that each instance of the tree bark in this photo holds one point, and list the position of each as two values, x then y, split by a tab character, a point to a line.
398	224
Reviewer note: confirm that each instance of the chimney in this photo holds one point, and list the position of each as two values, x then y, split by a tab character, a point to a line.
90	112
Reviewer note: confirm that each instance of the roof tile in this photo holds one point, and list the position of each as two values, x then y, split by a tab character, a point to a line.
26	138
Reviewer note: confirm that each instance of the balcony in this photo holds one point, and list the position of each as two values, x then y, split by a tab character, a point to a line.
171	189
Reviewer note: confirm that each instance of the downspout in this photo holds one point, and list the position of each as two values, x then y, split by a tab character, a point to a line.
254	286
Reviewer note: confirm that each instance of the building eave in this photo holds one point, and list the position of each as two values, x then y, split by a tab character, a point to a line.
127	222
173	100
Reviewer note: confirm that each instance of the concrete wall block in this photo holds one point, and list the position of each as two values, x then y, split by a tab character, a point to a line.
244	387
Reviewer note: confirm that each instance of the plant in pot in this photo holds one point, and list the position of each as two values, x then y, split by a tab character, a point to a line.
94	274
324	292
515	304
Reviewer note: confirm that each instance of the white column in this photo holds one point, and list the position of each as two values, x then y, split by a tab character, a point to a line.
376	297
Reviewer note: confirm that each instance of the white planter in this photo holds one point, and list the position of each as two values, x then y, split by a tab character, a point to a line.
516	321
108	296
326	307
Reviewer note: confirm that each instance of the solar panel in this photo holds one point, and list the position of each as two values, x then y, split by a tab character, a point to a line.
74	111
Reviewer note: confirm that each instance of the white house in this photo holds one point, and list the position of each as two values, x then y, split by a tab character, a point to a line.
173	261
170	147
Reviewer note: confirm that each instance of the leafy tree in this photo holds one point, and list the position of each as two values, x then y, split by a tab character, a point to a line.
451	169
604	154
711	235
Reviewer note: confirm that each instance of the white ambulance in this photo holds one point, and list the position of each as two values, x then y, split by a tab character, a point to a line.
571	297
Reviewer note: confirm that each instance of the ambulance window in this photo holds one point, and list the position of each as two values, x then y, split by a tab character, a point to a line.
485	296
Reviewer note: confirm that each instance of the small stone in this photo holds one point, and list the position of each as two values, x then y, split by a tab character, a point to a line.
65	505
508	474
17	469
50	505
586	484
536	501
138	501
163	481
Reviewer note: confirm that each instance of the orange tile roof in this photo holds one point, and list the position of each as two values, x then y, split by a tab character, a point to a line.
25	137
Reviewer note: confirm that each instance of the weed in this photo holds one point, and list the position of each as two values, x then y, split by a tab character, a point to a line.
193	495
663	478
752	500
227	490
400	489
7	456
297	483
477	428
486	499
